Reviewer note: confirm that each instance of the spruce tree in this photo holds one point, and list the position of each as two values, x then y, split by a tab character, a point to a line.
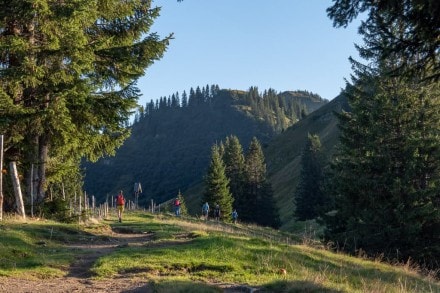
68	78
309	196
184	100
233	159
386	175
259	204
217	185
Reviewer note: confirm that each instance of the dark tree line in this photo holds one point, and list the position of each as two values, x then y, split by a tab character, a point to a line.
279	110
197	97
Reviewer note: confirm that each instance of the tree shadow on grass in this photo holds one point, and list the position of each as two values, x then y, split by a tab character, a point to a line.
174	286
196	287
296	286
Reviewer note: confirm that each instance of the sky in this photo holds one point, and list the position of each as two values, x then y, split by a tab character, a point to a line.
279	44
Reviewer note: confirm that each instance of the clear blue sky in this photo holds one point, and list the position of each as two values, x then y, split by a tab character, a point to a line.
279	44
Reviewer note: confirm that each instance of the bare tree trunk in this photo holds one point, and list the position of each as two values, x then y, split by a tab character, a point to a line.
17	189
1	177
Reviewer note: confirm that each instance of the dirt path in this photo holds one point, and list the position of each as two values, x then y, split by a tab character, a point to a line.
79	276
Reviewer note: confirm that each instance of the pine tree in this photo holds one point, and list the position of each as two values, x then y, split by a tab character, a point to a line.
386	175
184	100
309	197
233	159
217	185
259	206
68	77
192	101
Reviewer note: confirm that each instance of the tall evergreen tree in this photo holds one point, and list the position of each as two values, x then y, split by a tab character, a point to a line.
184	100
386	175
259	206
68	78
217	185
192	101
233	159
309	197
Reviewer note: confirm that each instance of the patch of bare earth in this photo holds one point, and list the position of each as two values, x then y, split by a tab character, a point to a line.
79	275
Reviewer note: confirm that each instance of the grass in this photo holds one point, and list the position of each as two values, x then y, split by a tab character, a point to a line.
189	255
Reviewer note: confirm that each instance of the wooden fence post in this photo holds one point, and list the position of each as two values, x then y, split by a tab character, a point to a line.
17	189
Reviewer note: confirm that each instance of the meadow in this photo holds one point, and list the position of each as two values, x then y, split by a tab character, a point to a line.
191	255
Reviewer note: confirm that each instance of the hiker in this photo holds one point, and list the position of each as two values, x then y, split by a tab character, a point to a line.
217	212
120	203
234	216
177	207
205	210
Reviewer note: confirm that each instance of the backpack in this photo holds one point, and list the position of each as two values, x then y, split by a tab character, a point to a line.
120	201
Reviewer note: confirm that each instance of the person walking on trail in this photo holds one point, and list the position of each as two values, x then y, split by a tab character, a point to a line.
120	203
177	207
234	216
217	212
205	210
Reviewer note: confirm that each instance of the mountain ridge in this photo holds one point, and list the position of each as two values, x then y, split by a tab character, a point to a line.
170	146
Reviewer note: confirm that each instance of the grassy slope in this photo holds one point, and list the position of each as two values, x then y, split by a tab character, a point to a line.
34	248
283	154
188	254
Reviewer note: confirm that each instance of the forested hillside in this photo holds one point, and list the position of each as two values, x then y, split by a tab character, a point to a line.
171	140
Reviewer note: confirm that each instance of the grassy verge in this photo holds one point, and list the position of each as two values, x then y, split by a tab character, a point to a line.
189	255
220	253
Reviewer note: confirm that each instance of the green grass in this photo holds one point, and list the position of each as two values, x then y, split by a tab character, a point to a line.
35	248
188	255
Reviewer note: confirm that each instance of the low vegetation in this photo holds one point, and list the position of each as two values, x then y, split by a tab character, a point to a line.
187	254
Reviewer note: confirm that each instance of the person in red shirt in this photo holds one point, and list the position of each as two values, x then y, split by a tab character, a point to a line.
120	204
177	207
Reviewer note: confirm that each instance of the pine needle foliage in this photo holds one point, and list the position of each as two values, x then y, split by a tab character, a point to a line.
386	176
309	195
234	161
259	201
68	73
217	185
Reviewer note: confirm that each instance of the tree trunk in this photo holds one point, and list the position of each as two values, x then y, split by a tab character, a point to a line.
17	189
